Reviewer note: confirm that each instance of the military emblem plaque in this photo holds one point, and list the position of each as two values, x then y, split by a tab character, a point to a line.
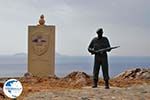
40	43
41	50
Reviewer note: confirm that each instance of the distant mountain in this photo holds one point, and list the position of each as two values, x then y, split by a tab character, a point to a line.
57	55
20	54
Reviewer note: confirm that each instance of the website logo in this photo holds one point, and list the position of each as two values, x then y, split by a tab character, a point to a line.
12	88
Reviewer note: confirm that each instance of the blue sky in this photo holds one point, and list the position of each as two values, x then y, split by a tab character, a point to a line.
125	22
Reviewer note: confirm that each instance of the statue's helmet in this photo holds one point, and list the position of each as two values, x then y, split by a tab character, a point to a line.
99	31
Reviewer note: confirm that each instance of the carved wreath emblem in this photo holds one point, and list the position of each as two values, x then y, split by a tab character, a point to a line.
40	43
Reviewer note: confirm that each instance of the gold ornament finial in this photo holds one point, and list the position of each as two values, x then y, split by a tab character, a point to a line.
41	20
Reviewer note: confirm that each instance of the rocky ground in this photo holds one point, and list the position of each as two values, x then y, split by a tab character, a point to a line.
132	84
140	92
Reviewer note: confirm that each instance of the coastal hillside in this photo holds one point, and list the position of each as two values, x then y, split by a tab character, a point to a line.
133	84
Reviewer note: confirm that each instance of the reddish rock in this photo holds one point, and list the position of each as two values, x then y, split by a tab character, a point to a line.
78	79
136	73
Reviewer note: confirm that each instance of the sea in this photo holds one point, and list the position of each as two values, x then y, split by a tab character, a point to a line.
16	66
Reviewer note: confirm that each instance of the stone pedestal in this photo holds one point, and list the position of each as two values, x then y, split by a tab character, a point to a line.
41	50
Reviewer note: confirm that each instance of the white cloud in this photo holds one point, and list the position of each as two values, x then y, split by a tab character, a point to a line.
125	22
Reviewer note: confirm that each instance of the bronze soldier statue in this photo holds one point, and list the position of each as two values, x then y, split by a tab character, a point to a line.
99	44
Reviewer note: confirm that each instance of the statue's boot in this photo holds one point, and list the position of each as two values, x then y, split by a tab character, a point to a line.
94	84
106	84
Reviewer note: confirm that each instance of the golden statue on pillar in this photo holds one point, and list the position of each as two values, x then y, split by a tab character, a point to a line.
41	20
